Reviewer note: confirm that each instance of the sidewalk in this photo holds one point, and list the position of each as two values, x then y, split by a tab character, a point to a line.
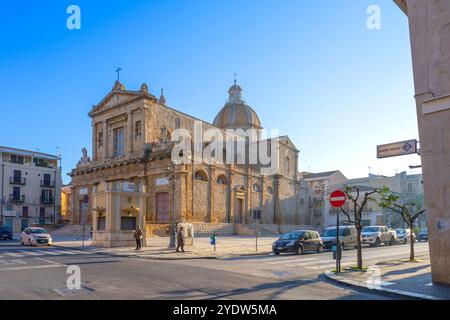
396	277
157	248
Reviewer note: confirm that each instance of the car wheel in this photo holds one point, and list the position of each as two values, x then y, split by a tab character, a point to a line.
277	253
299	250
320	248
392	241
377	242
21	242
29	243
406	241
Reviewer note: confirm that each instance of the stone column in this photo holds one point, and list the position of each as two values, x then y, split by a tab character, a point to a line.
129	136
105	140
211	175
230	200
276	201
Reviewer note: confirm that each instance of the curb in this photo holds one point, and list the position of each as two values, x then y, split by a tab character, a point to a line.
330	275
150	257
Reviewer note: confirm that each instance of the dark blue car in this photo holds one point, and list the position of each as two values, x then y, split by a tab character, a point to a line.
422	236
5	234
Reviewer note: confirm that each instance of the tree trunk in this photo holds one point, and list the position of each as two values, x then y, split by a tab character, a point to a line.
359	247
411	241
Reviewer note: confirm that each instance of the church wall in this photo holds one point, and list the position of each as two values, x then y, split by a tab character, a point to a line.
220	203
200	210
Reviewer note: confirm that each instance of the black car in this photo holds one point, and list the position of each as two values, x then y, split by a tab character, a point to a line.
298	242
422	236
5	234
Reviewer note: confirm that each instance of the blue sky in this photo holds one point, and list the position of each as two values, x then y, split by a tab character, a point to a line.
310	68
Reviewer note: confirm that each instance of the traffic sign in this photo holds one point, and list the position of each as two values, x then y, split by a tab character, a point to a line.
397	149
338	198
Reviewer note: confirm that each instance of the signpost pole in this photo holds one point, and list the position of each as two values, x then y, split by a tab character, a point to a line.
257	227
338	245
82	241
337	200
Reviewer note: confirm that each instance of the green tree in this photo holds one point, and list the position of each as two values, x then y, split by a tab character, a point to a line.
389	200
358	203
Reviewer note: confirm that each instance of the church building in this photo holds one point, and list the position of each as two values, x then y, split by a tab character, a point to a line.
131	179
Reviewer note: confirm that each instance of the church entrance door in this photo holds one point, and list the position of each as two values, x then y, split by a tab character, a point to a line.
240	209
162	207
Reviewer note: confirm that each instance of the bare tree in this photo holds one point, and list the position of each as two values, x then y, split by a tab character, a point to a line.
389	200
359	203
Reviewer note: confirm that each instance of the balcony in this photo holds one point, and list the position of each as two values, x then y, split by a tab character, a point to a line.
16	199
47	184
17	181
47	201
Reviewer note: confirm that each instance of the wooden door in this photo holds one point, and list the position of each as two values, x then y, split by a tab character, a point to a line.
162	207
240	210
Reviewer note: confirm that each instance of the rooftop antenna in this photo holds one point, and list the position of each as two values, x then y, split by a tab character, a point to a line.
235	77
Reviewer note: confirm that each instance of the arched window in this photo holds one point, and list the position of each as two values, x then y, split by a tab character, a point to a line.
287	165
201	175
269	190
256	188
222	180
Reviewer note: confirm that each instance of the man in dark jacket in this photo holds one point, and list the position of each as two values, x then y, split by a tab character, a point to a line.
138	237
180	240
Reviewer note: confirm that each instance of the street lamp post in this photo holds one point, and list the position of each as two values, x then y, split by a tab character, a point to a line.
170	174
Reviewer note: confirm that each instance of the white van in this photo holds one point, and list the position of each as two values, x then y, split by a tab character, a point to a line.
347	237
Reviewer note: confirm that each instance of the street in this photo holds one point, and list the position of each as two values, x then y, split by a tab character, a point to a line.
41	273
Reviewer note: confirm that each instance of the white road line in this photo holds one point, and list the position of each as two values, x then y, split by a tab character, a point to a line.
32	253
284	261
32	267
48	252
311	263
63	252
13	254
330	265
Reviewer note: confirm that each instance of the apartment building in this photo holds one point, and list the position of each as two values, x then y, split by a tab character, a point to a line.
30	188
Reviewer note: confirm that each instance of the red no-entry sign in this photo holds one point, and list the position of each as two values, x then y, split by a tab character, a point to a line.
338	198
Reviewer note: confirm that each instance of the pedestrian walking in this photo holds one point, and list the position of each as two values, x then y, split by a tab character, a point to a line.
180	240
138	237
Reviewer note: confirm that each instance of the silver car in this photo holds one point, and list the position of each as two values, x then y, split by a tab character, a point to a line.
35	237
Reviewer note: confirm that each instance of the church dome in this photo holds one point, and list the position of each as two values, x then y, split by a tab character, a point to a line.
236	113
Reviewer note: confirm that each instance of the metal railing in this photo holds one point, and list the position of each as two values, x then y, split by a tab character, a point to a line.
17	181
16	199
48	184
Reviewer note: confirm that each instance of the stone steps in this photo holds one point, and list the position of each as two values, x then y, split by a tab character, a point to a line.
72	230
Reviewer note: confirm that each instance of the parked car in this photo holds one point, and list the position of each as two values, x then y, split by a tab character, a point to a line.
298	242
347	237
35	236
403	236
5	233
423	235
375	235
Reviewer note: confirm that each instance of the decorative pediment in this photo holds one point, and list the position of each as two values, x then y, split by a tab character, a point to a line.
119	97
287	141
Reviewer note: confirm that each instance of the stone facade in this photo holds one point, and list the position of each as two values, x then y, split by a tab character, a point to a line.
131	173
429	22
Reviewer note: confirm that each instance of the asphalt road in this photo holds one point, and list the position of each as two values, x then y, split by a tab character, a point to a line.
42	273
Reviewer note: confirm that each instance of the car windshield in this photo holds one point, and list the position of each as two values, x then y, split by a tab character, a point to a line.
291	236
401	231
39	231
332	232
370	229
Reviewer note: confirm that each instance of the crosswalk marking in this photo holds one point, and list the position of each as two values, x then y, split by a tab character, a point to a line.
13	254
36	253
